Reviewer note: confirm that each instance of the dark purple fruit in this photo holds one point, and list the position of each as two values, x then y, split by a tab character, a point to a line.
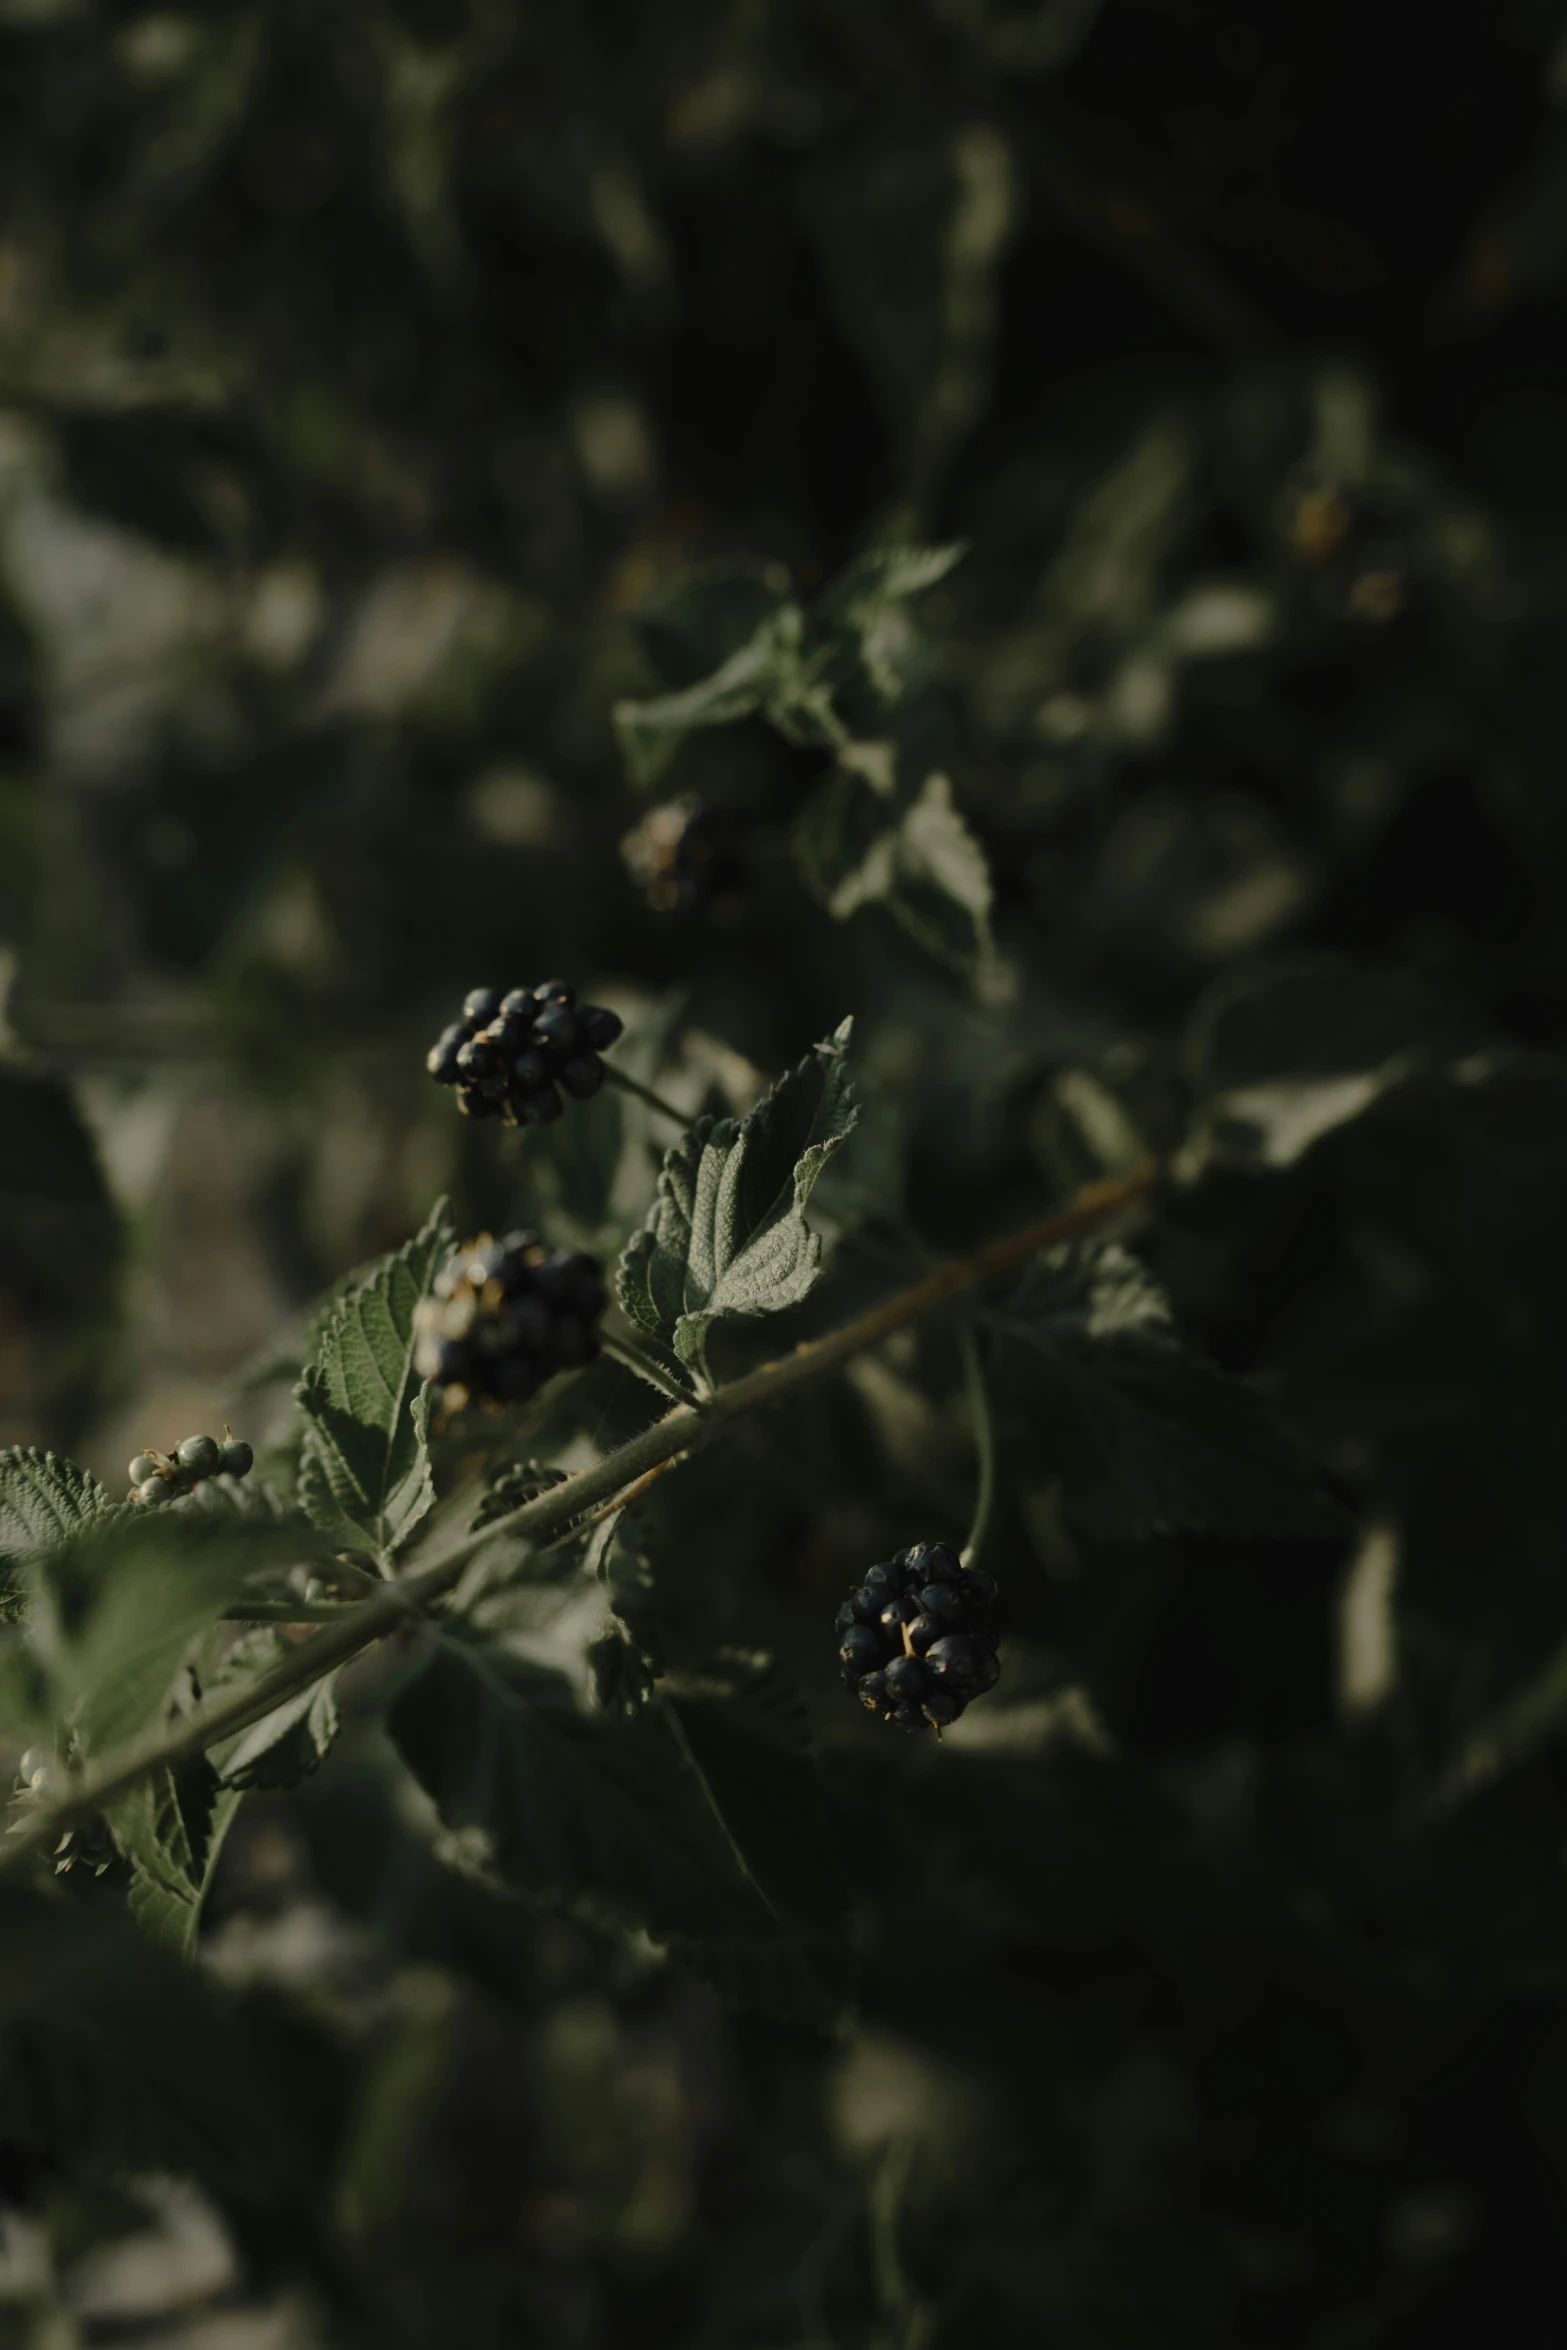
556	991
600	1026
942	1603
872	1689
583	1077
924	1632
941	1707
480	1005
441	1059
862	1648
906	1682
932	1562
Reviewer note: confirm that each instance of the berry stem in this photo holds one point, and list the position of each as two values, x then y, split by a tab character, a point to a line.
646	1366
645	1093
399	1606
984	1444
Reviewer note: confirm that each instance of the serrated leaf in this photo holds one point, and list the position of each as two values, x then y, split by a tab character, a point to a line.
610	1816
170	1827
289	1743
727	1233
365	1465
44	1500
561	1808
859	848
762	671
745	1731
1146	1436
118	1608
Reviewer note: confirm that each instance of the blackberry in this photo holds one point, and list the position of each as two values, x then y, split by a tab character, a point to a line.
686	858
505	1315
915	1644
441	1060
509	1055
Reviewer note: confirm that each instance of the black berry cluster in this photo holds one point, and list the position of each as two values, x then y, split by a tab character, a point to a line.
686	858
915	1640
509	1055
157	1477
504	1316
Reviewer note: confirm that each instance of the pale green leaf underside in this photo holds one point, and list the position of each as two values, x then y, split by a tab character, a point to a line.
364	1468
171	1829
727	1232
858	848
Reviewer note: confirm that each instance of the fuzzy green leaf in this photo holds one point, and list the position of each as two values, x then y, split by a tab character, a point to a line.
859	847
727	1233
1146	1436
117	1610
287	1744
365	1467
171	1828
637	1821
44	1500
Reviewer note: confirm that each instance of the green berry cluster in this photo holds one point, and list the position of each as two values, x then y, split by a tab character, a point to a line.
158	1477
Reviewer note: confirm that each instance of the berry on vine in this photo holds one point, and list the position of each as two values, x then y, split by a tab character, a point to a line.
158	1477
505	1315
509	1054
914	1640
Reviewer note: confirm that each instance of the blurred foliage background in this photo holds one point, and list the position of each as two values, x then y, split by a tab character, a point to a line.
389	392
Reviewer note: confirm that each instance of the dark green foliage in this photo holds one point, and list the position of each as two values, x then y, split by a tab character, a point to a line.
1033	523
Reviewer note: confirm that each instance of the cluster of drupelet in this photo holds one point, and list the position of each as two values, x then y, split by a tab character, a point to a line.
157	1476
915	1640
509	1055
503	1316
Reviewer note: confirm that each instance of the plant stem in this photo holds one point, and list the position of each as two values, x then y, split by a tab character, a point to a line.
644	1093
399	1607
286	1611
984	1445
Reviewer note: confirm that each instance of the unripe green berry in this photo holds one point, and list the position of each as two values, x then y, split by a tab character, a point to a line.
145	1465
153	1490
235	1459
198	1456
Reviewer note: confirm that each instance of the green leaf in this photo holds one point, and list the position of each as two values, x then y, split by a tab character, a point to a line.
857	848
171	1828
287	1744
365	1466
592	1813
1281	1054
744	1731
114	2058
43	1501
727	1233
762	673
620	1819
1146	1436
117	1610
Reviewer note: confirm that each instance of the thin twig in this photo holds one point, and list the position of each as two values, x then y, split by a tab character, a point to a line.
400	1606
287	1611
984	1444
644	1093
612	1509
